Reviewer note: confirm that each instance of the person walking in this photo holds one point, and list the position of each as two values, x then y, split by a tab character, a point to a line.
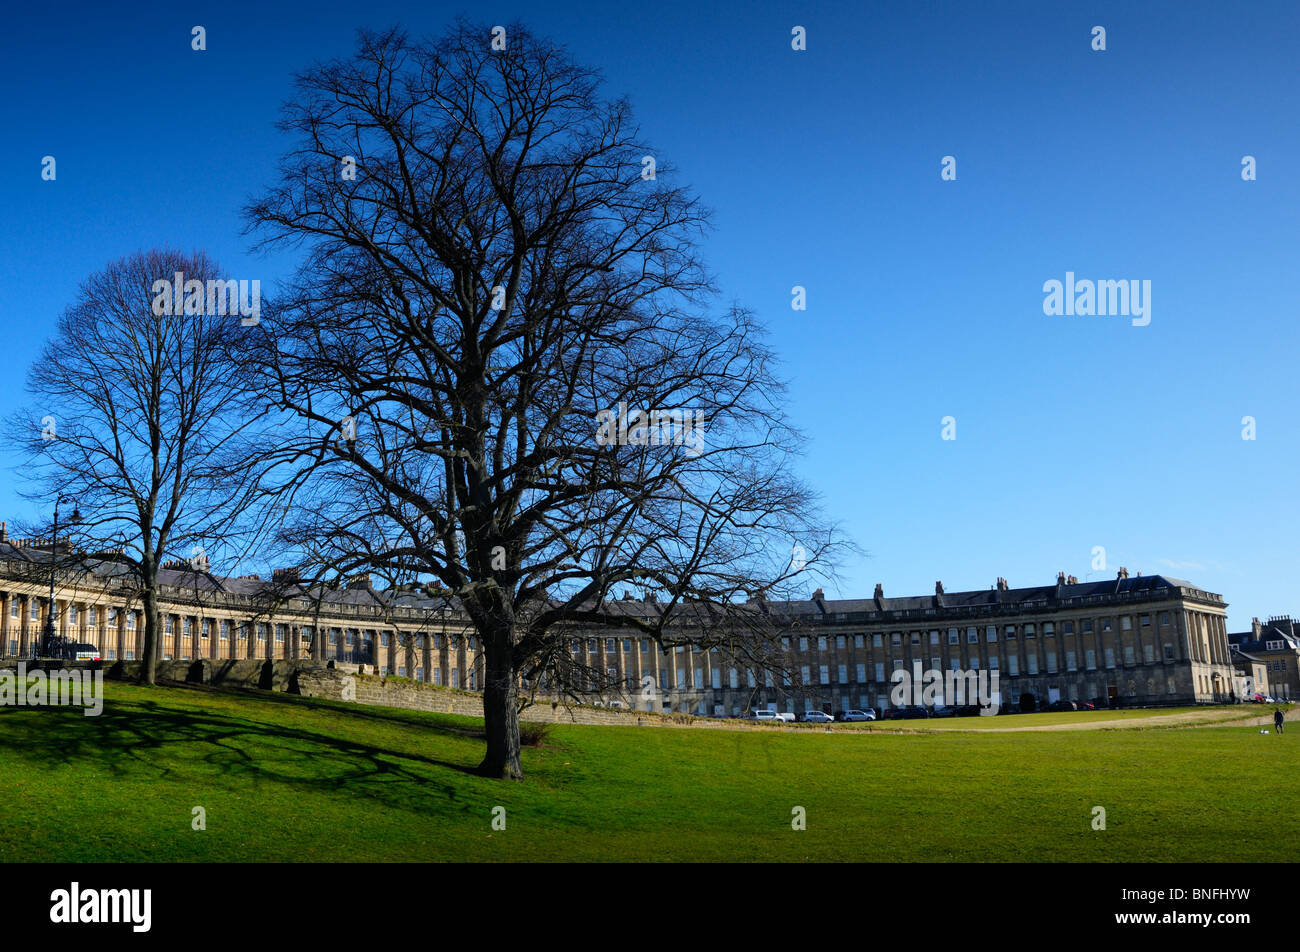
1277	719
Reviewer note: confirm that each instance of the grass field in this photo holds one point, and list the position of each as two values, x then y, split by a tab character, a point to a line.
285	778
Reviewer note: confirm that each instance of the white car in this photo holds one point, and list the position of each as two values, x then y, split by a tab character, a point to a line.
785	716
859	715
818	717
769	716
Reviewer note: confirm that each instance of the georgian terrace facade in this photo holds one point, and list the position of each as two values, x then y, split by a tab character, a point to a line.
1132	641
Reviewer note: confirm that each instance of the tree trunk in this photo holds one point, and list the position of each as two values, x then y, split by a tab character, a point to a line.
501	713
149	670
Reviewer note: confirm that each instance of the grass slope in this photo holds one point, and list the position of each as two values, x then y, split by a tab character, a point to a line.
285	778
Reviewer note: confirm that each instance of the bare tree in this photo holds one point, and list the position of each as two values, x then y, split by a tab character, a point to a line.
135	416
497	280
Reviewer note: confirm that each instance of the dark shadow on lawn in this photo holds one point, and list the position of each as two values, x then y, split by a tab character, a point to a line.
152	737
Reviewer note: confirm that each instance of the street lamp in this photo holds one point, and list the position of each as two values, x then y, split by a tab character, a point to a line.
50	642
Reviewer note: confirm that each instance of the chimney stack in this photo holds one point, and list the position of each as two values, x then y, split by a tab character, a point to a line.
819	596
1122	573
938	588
4	532
1060	578
1002	584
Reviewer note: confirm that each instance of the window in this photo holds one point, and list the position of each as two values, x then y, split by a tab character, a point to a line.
130	619
1011	632
1145	621
768	679
993	662
877	640
749	677
844	673
1069	627
803	642
821	642
401	670
1013	666
898	664
1110	657
279	633
954	663
1105	624
591	644
880	671
72	614
825	674
1090	659
645	645
627	645
1128	654
699	676
805	675
1051	662
1164	618
90	616
1169	652
1069	661
1169	686
1126	623
455	678
991	634
1031	664
936	663
611	645
972	636
896	639
717	679
952	636
857	641
862	673
1148	653
1049	628
167	626
224	630
934	637
1029	631
840	641
13	608
1087	626
36	609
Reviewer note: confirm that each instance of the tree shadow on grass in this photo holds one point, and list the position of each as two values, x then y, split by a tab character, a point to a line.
166	739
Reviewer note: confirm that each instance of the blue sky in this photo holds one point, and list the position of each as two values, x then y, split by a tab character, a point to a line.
823	168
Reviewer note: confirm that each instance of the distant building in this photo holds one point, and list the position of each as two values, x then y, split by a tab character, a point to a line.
1127	641
1278	647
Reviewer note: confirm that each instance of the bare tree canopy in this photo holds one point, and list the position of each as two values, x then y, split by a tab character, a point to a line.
503	368
137	412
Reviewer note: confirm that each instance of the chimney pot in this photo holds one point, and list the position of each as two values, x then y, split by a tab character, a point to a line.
938	588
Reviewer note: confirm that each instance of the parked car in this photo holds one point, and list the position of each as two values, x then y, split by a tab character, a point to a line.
817	717
1087	706
785	716
909	713
81	651
1061	705
770	716
859	715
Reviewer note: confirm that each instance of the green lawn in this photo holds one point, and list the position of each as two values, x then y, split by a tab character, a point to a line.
284	778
